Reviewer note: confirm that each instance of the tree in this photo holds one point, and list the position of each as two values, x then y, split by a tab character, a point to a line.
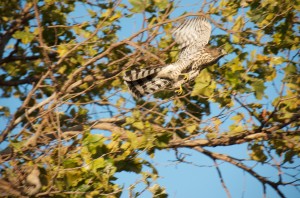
72	126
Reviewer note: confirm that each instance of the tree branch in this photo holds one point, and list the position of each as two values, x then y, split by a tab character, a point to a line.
27	80
263	180
242	137
222	180
25	58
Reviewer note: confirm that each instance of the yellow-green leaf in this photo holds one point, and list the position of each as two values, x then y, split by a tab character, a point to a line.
25	36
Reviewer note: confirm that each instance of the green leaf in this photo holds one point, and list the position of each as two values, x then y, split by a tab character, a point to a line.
257	153
82	111
92	13
235	129
132	138
98	163
72	162
62	50
291	69
277	60
62	69
259	88
211	135
204	85
288	156
130	165
116	16
139	125
239	24
120	102
191	128
25	36
17	145
94	142
235	39
158	191
237	118
73	177
4	111
272	75
161	4
162	141
139	5
107	13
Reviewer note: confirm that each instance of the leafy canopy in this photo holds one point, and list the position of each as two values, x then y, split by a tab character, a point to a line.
70	125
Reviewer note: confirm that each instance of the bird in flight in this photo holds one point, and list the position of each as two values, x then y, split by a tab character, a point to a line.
192	36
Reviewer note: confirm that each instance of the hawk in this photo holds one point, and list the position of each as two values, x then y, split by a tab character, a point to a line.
192	36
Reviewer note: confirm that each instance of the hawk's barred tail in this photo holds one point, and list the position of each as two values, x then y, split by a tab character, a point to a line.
146	86
137	74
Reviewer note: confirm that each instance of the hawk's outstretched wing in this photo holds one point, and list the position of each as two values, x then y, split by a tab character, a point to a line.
192	31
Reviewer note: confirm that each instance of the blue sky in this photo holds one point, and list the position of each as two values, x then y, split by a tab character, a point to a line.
190	180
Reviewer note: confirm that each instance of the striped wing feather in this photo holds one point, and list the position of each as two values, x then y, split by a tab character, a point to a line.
137	74
192	31
146	86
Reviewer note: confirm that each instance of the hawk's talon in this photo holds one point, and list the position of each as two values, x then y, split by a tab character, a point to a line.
186	76
179	91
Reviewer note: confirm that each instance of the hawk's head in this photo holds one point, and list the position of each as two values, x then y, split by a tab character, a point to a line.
216	52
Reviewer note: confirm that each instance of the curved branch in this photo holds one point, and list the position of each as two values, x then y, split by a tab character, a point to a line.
226	158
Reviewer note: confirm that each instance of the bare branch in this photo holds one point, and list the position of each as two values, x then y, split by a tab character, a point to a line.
221	179
226	158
